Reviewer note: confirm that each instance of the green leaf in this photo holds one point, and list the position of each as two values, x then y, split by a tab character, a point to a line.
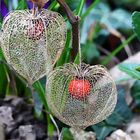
22	5
89	52
122	113
138	69
103	15
80	7
42	99
102	130
115	19
6	2
4	80
89	9
1	55
51	127
135	92
130	69
21	87
65	56
136	23
38	104
41	92
77	59
66	134
52	5
73	4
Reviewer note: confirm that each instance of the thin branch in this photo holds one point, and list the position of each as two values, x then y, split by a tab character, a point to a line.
68	11
74	20
39	3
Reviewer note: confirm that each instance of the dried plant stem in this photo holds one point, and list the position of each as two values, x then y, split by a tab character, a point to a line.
74	20
33	10
39	3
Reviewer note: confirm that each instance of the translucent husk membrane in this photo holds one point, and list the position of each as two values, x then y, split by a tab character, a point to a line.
33	43
81	112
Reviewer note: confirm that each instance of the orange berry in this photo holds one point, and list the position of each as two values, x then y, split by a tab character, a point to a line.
35	29
79	88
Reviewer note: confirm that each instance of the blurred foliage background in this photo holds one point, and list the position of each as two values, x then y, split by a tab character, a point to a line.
107	38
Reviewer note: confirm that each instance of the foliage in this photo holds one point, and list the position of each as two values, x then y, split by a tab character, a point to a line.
67	134
130	69
136	23
135	92
89	52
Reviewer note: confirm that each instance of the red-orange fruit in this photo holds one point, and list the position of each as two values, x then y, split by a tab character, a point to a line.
35	29
79	88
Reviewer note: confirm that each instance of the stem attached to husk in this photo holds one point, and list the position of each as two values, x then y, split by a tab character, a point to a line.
33	10
39	3
74	20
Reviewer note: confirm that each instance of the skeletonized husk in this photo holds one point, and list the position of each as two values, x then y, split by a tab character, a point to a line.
86	111
33	43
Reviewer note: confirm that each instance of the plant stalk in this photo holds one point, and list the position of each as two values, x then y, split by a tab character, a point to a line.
74	20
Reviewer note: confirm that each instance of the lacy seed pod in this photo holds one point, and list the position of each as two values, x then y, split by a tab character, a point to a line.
32	43
81	95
